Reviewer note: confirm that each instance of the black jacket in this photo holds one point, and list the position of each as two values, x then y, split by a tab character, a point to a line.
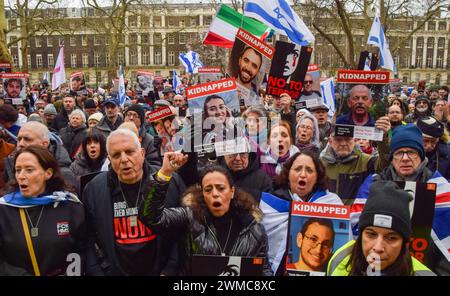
81	167
72	138
194	221
152	155
60	120
104	126
252	179
98	198
62	230
439	160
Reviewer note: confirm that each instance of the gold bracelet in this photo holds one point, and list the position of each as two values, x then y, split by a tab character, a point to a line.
163	177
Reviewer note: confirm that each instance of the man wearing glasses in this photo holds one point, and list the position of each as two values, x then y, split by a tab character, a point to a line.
308	93
315	243
359	102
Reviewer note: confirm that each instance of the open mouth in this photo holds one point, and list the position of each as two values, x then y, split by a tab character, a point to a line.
280	148
23	187
216	204
302	183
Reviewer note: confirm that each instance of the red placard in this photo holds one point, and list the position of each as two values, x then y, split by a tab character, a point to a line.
313	68
205	89
364	77
159	114
320	210
256	43
14	75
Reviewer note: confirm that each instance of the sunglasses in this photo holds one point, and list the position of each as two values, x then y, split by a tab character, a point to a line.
308	81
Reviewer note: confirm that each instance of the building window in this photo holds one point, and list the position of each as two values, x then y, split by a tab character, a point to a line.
145	57
171	21
430	42
49	42
442	26
408	43
157	21
439	61
98	76
429	61
193	21
29	61
171	58
431	26
97	59
207	20
170	39
133	57
73	41
12	24
145	21
145	39
50	61
84	40
16	60
38	41
96	40
157	38
85	60
38	61
441	43
133	39
132	21
121	58
182	38
158	57
419	43
12	40
182	23
73	60
406	61
418	62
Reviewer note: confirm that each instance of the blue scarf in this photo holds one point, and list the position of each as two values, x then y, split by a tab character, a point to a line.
16	199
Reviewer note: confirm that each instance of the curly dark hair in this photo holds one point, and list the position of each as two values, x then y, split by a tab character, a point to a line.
193	196
8	113
322	179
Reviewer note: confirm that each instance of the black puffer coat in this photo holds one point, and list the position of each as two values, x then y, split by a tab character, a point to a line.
72	139
194	220
439	159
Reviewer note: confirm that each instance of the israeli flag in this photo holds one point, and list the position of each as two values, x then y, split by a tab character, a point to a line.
176	82
378	39
278	15
327	88
191	61
275	220
121	95
367	63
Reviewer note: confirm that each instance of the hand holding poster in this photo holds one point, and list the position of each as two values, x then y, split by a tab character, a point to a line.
288	69
165	125
249	62
315	230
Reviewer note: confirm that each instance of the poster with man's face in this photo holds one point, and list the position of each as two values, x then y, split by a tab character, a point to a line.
358	92
77	83
209	74
14	87
289	66
315	232
249	63
144	83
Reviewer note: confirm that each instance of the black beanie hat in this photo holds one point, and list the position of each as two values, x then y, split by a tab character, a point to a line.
430	126
139	110
387	206
89	103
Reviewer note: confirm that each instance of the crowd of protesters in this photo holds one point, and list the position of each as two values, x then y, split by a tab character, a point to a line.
121	195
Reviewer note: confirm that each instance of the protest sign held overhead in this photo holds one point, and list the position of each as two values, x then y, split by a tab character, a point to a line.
288	69
213	106
208	74
77	83
249	62
165	125
311	225
5	67
14	85
144	83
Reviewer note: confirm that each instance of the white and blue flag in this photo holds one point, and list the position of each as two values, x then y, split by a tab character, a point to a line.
327	88
378	39
191	61
278	15
368	62
121	95
176	82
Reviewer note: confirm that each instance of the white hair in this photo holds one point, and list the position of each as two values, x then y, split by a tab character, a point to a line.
40	129
79	113
124	133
